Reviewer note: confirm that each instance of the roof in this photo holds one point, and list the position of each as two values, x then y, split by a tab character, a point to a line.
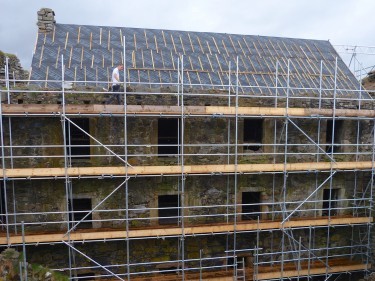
91	52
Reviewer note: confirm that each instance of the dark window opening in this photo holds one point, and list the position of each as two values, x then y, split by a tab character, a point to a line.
337	135
78	209
86	276
78	143
168	136
250	212
168	209
330	197
253	133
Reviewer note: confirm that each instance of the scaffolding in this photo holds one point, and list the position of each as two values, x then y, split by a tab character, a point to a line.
293	227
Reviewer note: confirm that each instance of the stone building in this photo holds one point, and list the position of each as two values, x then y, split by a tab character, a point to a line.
230	157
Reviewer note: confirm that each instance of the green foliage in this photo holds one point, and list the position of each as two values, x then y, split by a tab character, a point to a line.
2	59
37	271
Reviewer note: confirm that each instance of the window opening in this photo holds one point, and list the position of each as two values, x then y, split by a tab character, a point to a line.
78	143
253	133
81	207
337	136
250	212
168	136
168	209
330	201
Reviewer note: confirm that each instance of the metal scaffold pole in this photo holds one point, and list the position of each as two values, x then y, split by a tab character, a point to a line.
183	176
4	201
285	173
128	269
67	163
333	145
235	218
228	162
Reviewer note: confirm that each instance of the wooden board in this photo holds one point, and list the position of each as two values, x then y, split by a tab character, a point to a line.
190	230
312	271
188	169
266	272
53	109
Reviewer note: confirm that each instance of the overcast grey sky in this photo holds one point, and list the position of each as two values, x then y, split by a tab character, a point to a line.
340	21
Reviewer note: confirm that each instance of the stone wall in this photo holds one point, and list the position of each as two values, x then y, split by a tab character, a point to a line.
46	135
34	198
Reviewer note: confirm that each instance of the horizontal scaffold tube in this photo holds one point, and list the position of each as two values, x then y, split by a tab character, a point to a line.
97	234
188	169
9	109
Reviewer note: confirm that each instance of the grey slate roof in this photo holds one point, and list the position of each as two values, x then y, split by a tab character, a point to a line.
91	52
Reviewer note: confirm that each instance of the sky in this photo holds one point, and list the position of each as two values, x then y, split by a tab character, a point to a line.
342	22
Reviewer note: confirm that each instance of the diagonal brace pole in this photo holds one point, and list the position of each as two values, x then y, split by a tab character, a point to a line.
308	197
106	147
310	139
101	202
95	262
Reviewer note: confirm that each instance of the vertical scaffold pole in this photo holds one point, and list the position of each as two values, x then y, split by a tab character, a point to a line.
275	138
182	172
24	250
285	173
371	203
331	170
128	270
275	148
200	264
68	192
7	85
4	193
235	175
356	209
178	159
228	162
318	134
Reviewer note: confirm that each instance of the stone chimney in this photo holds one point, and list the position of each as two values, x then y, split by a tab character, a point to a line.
46	20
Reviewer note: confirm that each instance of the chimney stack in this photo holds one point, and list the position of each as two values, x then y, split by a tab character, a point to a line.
46	20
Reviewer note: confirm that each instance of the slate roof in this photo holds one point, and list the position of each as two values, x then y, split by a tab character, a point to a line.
91	52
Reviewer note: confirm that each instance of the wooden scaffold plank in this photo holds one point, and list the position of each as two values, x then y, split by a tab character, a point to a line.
97	234
9	109
176	170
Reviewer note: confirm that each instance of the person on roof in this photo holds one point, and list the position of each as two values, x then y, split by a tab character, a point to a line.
116	83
